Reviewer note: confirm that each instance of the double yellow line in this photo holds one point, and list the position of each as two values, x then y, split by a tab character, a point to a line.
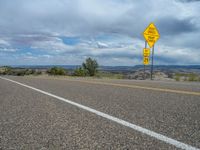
128	86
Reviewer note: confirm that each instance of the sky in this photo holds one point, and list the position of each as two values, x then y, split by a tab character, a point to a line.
66	32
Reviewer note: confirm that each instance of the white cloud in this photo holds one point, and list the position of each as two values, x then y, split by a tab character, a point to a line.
7	50
4	43
52	45
41	24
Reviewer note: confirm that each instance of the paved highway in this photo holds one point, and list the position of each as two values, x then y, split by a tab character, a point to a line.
68	113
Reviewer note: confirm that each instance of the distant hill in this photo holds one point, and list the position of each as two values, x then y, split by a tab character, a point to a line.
171	68
124	69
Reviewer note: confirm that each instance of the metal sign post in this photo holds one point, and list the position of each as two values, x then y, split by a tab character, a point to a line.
151	36
152	56
146	54
144	64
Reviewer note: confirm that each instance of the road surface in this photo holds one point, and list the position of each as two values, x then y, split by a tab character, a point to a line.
68	113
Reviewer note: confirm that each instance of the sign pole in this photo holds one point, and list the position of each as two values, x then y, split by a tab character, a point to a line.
151	35
144	64
152	63
144	73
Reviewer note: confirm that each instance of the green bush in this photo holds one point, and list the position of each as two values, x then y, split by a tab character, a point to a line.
110	75
5	70
37	73
170	75
186	77
29	71
17	72
192	77
57	71
90	65
177	76
21	73
80	72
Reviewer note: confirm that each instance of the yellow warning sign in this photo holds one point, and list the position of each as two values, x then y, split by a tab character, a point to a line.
146	60
151	35
146	52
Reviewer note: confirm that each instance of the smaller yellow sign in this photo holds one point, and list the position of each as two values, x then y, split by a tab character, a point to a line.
146	60
146	52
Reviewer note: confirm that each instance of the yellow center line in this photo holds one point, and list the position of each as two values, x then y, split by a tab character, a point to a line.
130	86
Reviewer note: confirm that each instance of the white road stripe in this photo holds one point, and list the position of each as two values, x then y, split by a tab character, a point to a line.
114	119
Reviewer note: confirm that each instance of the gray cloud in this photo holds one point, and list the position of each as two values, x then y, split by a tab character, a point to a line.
40	24
188	1
173	26
88	17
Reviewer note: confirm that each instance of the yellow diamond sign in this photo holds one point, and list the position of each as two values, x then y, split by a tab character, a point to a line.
151	35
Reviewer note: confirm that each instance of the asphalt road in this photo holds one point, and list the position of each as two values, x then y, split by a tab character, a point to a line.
32	120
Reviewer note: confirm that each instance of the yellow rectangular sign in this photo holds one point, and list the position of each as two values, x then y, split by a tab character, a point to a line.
146	60
146	52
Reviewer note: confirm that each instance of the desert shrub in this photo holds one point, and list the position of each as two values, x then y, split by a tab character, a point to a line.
37	73
90	65
192	77
18	71
21	72
186	77
177	76
110	75
170	75
57	71
5	70
80	72
11	71
29	71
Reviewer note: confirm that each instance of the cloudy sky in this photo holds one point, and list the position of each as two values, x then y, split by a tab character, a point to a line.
65	32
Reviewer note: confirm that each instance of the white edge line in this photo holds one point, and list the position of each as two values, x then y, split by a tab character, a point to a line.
114	119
